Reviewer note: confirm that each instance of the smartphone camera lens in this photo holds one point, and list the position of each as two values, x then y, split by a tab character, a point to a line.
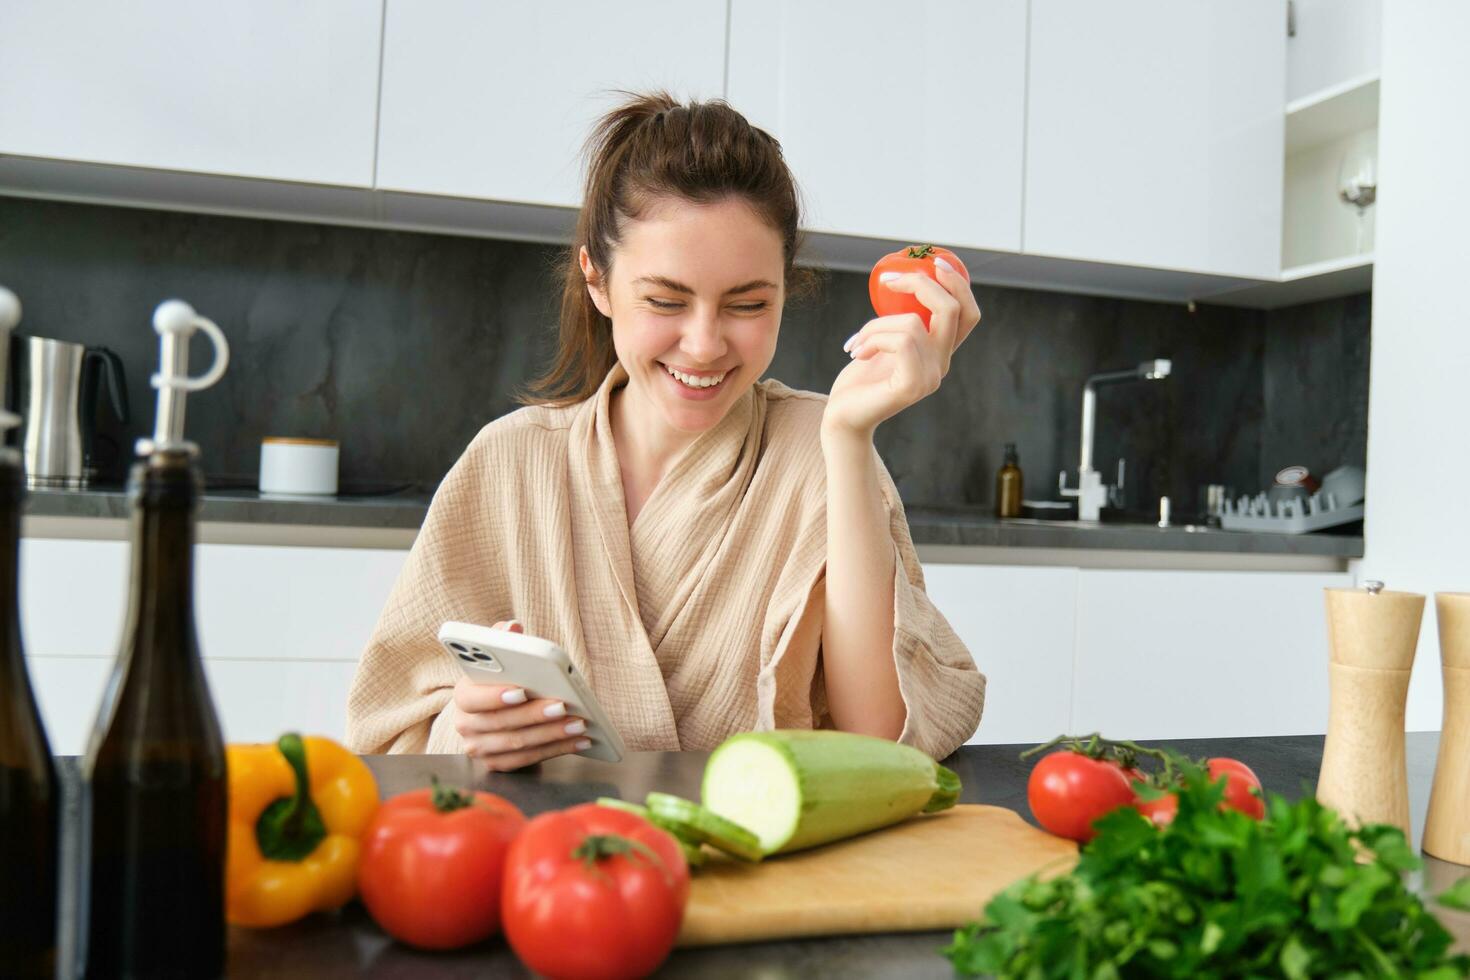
459	647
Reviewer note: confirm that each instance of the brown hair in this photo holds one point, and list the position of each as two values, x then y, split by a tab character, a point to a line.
650	147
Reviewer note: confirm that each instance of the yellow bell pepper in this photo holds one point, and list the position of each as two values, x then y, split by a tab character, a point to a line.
297	810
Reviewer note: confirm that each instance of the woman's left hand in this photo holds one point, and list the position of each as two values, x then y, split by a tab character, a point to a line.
895	361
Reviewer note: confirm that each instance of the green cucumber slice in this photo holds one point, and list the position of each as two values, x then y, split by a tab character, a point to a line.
690	821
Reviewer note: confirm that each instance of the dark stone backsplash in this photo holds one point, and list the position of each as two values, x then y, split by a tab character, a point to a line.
402	345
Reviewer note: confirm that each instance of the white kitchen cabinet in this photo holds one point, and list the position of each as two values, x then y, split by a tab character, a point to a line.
1018	623
1154	134
1171	654
281	630
1335	43
495	100
271	88
256	700
903	123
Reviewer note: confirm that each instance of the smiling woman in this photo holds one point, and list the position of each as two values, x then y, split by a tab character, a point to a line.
716	553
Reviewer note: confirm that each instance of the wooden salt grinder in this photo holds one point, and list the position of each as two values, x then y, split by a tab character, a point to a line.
1447	830
1371	635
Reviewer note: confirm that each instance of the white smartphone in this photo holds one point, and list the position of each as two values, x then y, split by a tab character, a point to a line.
491	656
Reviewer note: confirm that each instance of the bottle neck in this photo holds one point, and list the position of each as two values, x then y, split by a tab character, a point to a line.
12	497
164	494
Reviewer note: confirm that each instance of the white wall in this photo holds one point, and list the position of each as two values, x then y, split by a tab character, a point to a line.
1418	536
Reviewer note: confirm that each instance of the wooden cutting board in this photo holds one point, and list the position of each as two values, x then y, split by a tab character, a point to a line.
931	872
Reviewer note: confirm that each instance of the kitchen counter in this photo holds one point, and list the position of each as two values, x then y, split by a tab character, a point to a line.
349	944
960	533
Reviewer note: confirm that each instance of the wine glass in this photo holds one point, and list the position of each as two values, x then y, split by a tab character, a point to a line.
1357	178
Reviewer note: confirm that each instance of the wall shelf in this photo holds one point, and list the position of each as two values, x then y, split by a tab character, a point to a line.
1332	113
1342	276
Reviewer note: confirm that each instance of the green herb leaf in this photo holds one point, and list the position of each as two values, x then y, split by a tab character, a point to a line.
1457	896
1217	894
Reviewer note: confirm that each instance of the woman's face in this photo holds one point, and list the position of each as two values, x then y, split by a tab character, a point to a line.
695	289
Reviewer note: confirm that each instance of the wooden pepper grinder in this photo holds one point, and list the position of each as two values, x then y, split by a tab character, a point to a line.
1447	831
1372	635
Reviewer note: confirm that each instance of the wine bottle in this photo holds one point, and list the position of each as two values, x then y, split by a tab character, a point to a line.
29	792
155	788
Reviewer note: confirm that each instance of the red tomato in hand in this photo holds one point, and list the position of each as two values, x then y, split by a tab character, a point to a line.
1242	788
1067	791
594	893
915	258
432	862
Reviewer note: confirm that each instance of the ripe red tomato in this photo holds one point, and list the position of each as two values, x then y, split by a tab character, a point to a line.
915	258
1067	791
432	862
1239	783
1161	811
593	893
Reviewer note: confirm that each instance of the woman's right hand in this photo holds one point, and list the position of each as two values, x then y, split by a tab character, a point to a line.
505	731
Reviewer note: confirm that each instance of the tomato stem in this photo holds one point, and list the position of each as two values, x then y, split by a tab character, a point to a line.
595	847
447	799
920	251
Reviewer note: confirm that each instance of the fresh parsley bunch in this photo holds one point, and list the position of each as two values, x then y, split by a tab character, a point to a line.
1217	894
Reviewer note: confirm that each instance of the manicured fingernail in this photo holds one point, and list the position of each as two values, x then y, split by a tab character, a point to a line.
939	263
887	276
576	727
848	342
584	744
514	696
557	710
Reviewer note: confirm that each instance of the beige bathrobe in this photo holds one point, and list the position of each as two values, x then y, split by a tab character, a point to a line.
702	620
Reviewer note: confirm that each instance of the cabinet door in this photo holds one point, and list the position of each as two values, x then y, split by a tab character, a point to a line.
1336	41
494	100
1154	133
281	630
1201	654
269	88
900	122
1018	624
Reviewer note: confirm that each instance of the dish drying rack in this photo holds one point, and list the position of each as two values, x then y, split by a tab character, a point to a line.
1288	516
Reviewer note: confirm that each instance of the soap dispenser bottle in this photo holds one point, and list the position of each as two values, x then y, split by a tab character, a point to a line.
1008	485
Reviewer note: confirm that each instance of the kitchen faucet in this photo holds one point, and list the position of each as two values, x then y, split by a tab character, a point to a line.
1091	492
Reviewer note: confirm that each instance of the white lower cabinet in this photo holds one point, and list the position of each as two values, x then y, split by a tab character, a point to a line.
1135	654
1171	654
256	700
1018	623
281	630
1141	654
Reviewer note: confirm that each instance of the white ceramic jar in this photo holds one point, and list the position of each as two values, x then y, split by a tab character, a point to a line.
298	466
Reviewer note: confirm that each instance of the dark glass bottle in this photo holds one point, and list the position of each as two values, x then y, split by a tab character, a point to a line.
29	794
155	772
1008	485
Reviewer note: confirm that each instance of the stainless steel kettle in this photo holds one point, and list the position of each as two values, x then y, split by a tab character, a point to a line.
56	390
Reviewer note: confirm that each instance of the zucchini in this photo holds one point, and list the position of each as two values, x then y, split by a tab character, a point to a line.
798	789
688	820
693	853
613	803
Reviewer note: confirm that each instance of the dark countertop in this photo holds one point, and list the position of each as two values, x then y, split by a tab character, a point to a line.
929	525
349	944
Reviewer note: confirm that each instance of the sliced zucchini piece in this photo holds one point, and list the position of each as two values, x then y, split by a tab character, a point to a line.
690	821
612	803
